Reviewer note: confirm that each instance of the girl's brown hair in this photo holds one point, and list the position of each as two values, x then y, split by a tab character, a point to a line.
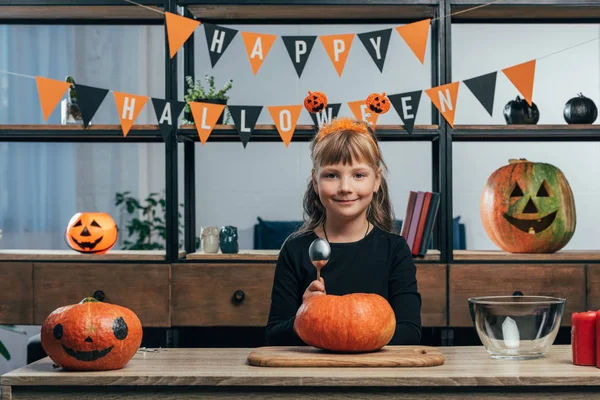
346	140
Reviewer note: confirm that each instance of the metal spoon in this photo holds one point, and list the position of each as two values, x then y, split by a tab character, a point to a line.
319	253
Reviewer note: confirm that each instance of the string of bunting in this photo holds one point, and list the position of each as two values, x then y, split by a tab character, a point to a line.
285	117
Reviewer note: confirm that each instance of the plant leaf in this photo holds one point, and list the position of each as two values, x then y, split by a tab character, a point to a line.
4	351
13	328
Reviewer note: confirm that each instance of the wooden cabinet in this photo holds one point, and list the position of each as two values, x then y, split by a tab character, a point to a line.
144	288
593	288
16	293
240	294
470	280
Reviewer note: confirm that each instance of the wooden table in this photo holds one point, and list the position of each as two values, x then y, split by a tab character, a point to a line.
469	372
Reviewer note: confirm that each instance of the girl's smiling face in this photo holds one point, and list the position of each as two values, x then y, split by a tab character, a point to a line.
346	190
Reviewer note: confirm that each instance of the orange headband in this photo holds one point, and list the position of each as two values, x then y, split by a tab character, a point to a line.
346	124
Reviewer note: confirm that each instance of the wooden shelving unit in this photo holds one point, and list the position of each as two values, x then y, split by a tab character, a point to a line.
525	10
75	10
497	255
76	133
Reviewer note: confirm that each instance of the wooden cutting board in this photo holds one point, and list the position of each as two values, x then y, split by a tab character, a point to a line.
308	356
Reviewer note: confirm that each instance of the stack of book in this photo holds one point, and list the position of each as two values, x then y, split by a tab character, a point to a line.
417	226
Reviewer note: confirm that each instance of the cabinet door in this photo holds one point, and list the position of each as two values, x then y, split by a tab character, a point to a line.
593	287
143	288
558	280
240	294
16	293
222	294
431	280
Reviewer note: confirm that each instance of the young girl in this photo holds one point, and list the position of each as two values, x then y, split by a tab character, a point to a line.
346	203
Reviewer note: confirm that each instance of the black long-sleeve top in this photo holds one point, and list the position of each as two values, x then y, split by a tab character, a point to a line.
379	263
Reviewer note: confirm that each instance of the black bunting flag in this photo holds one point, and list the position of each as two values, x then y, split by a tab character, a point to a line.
483	88
89	100
407	106
377	43
167	114
244	118
299	48
218	38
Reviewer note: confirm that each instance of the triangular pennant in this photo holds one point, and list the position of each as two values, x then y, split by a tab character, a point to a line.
338	47
377	43
522	76
407	106
257	47
218	38
89	100
244	118
179	29
362	113
167	114
415	35
285	119
326	115
50	92
205	116
483	88
129	107
444	97
299	48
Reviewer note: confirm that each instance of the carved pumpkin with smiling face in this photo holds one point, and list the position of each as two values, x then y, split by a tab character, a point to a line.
528	207
91	336
91	232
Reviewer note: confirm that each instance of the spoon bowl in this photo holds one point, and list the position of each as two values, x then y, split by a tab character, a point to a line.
319	253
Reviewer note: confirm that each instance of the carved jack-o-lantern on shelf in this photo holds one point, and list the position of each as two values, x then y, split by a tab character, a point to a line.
91	232
91	335
528	207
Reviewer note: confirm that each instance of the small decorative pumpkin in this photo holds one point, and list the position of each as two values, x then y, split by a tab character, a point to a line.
91	336
352	323
528	207
518	112
580	110
378	103
315	102
91	232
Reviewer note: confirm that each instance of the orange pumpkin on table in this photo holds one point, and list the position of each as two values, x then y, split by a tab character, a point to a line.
352	323
91	335
91	232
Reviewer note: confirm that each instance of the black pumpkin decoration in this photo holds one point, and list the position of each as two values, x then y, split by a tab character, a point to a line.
580	110
518	112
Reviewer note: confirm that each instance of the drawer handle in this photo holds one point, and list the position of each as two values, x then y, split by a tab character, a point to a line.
239	296
518	293
99	295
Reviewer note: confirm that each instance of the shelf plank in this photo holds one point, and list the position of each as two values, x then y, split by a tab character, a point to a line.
562	132
523	10
71	255
312	10
498	255
78	10
270	255
557	127
76	133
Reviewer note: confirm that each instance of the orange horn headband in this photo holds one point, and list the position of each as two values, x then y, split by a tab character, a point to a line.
346	124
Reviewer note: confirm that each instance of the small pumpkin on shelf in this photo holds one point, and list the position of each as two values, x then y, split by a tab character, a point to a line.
352	323
91	232
580	110
315	102
91	335
378	103
519	112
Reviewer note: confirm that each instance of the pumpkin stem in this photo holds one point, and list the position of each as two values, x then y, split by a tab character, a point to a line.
517	160
89	300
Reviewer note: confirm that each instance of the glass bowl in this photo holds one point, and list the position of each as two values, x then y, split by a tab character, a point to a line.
517	327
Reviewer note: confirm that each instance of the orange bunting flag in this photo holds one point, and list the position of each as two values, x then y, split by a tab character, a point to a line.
285	119
50	92
205	116
415	35
179	29
257	47
338	47
362	113
444	97
522	76
129	107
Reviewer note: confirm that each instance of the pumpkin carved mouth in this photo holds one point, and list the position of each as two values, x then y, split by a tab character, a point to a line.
87	355
532	226
87	245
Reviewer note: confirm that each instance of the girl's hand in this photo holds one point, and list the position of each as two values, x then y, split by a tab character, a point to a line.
316	288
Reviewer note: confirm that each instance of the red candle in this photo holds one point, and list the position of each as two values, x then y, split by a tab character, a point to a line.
583	338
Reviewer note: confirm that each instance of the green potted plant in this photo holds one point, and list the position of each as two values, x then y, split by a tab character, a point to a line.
3	350
71	113
197	92
147	230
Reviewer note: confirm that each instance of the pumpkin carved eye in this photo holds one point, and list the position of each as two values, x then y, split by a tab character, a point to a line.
58	331
543	191
517	192
77	224
94	223
120	328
